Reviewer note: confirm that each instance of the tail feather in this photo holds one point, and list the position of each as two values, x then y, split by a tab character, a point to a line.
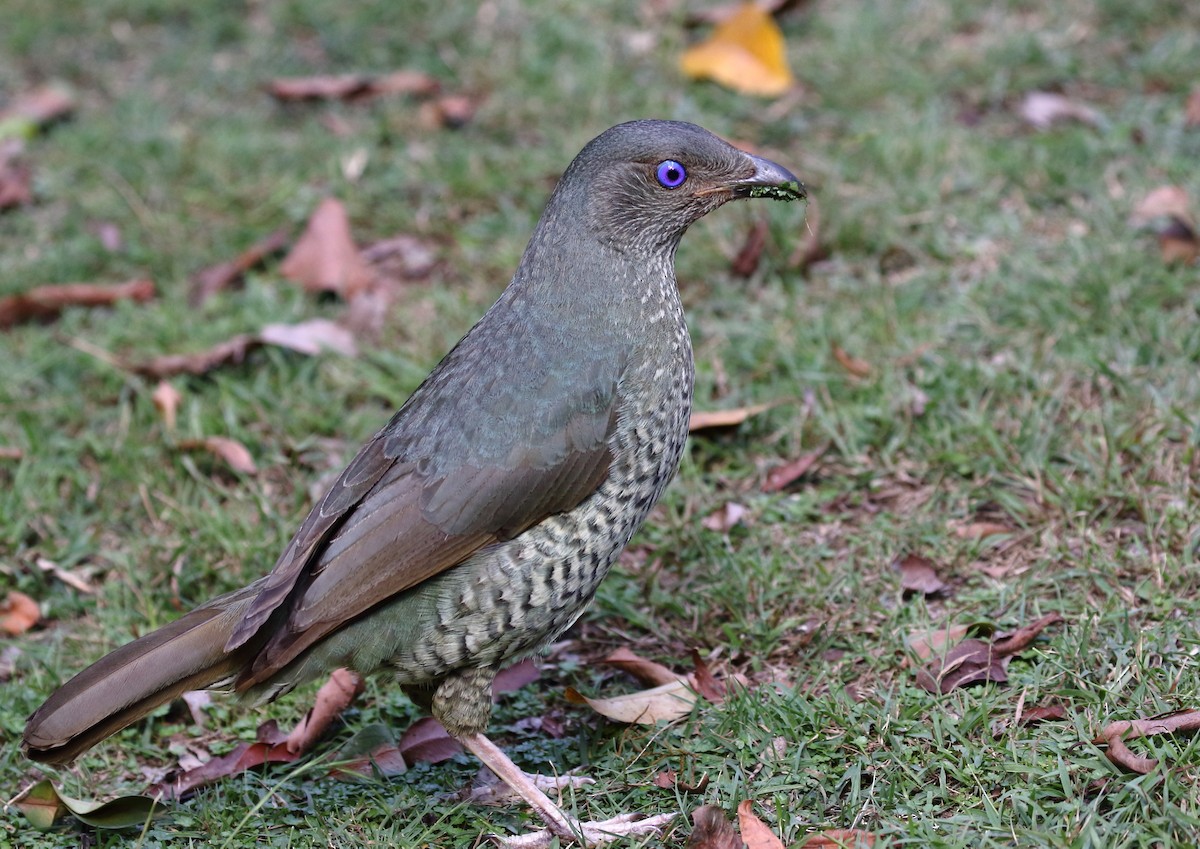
125	685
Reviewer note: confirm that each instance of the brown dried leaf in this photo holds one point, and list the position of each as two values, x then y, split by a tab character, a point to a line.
41	106
402	257
512	678
852	364
928	643
646	671
335	695
244	756
1116	733
781	477
746	261
975	661
311	337
166	399
704	420
668	702
233	453
1043	109
1023	637
1044	713
980	530
755	833
16	184
726	518
11	452
44	303
704	682
208	281
1163	203
427	740
450	112
18	613
197	701
230	351
917	574
369	753
325	258
710	830
71	579
351	86
840	838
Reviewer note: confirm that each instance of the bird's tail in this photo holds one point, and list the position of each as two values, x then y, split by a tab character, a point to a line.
125	685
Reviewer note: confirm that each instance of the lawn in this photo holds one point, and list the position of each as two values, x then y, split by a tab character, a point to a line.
990	361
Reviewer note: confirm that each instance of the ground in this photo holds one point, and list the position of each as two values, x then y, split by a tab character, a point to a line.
983	342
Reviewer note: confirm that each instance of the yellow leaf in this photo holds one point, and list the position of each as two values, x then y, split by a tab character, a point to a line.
745	53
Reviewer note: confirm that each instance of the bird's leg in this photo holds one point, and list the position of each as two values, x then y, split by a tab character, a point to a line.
463	704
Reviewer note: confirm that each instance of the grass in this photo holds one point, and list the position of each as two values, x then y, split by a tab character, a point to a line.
1033	363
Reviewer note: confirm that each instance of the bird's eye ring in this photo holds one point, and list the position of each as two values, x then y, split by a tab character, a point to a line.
670	174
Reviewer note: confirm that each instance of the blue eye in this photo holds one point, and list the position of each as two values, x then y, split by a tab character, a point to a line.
671	174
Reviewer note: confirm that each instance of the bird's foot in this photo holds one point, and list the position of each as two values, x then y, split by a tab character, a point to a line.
498	793
589	833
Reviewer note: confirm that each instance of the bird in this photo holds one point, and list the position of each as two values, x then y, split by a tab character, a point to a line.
474	528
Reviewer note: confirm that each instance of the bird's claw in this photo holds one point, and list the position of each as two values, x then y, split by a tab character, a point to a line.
589	833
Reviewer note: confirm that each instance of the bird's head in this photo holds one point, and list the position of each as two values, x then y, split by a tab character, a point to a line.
641	184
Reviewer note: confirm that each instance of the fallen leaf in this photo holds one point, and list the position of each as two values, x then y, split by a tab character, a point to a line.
1044	713
403	257
1116	733
243	757
980	530
668	779
451	112
34	109
840	838
755	833
42	805
1043	109
18	613
746	261
917	574
746	52
1166	211
704	682
711	830
197	701
351	86
10	452
512	678
44	303
646	671
335	695
8	661
208	281
854	365
71	579
325	258
311	337
927	643
233	453
1191	112
668	702
726	518
724	418
166	399
109	235
16	183
975	661
426	740
781	477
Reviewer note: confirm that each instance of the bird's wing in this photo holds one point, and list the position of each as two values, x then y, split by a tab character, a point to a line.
409	506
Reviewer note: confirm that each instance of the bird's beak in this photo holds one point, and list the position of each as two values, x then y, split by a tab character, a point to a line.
768	181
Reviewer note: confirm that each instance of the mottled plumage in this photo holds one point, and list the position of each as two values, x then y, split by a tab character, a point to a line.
477	524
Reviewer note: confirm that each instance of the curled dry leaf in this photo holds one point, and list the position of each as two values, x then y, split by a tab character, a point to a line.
726	518
704	682
1116	733
512	678
711	830
852	364
35	109
11	452
450	112
781	477
755	833
42	805
197	701
208	281
1043	109
980	530
668	779
427	740
351	86
166	399
311	337
747	259
1167	213
18	613
927	643
746	52
243	757
71	579
705	420
325	258
16	183
668	702
370	753
1044	713
918	575
233	453
335	695
975	661
646	671
44	303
